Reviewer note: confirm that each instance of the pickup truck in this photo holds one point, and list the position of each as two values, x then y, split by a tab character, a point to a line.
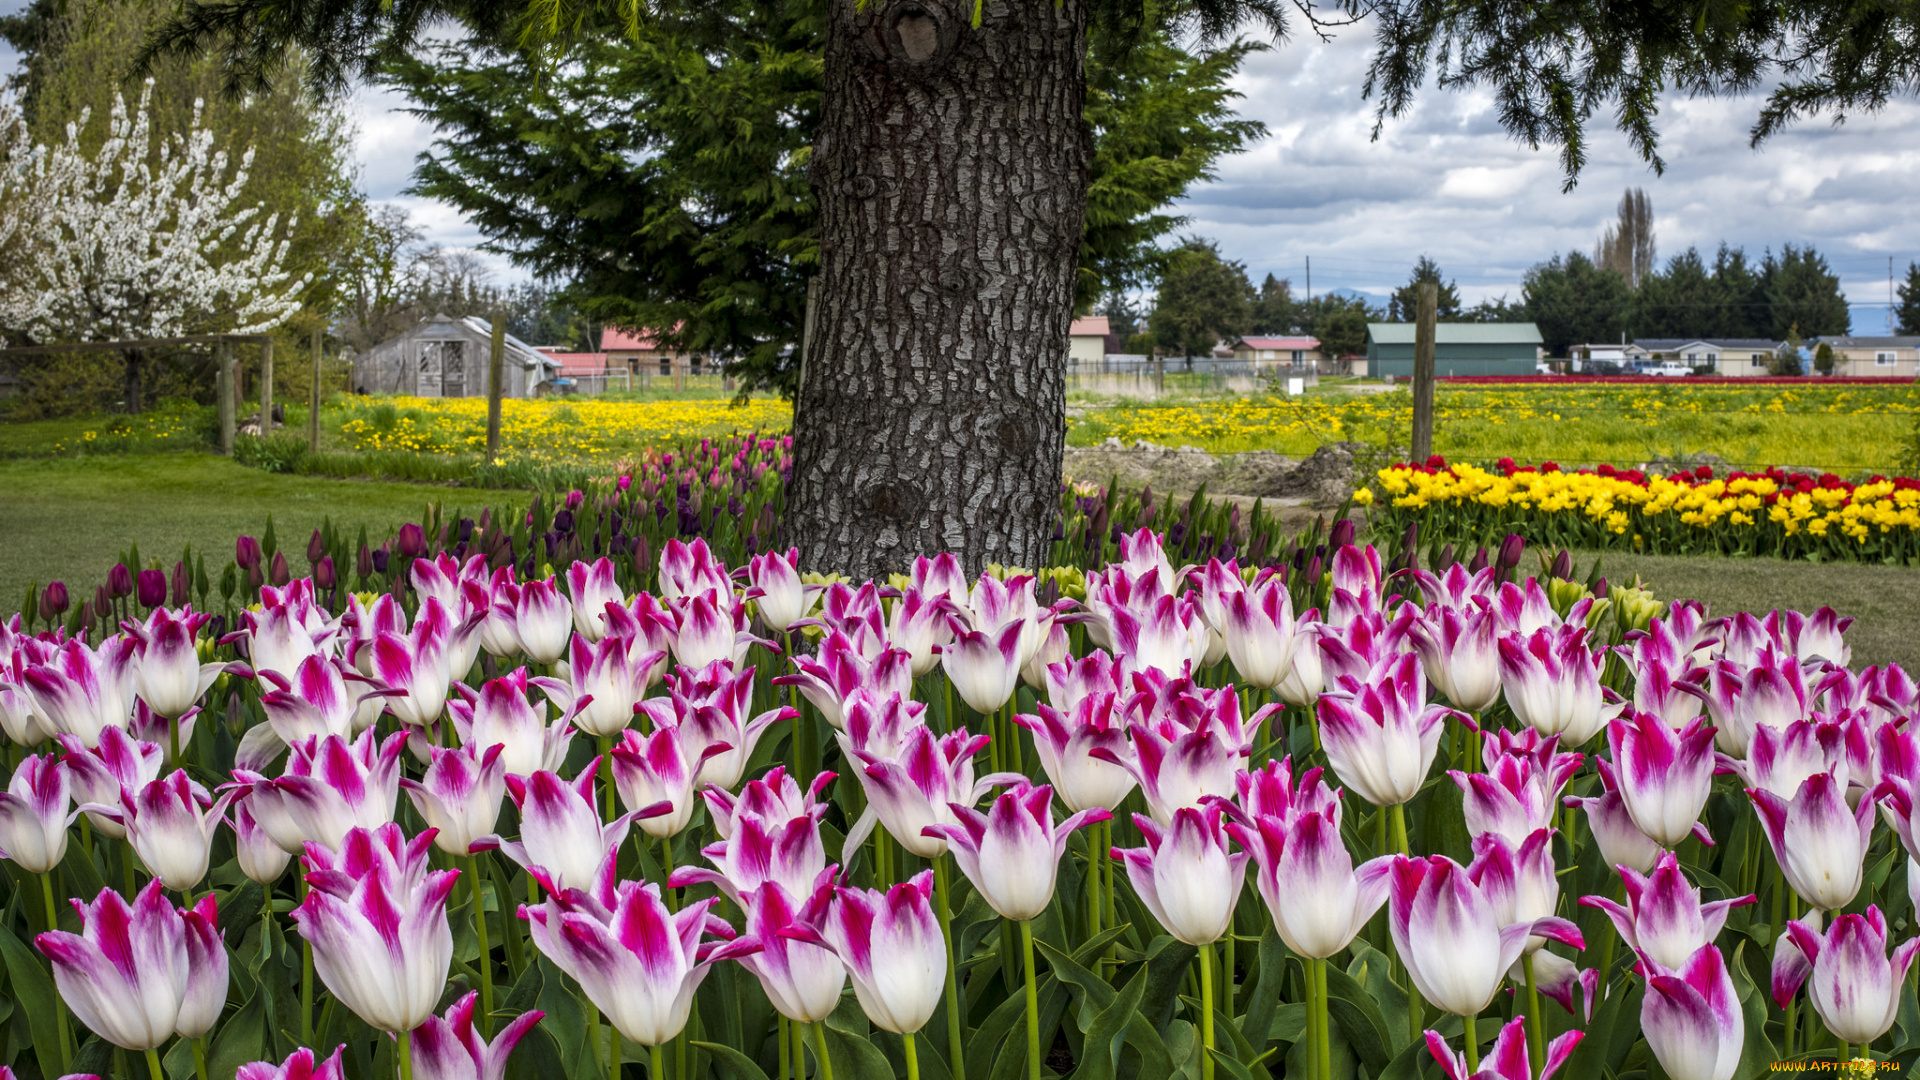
1671	368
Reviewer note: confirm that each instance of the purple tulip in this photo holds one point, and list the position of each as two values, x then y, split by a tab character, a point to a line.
377	920
412	540
1663	920
119	581
450	1047
151	588
138	974
1012	852
246	552
324	575
53	601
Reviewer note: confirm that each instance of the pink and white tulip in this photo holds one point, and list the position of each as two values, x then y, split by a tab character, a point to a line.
314	701
1065	740
1855	984
563	843
802	979
120	764
79	691
1664	775
1317	900
170	823
1620	841
1692	1020
1770	691
1187	875
606	681
261	857
501	715
1380	734
654	773
1820	842
171	678
460	795
138	974
1012	852
332	786
918	789
1508	1060
1447	932
542	620
1552	682
984	666
450	1047
1460	651
892	948
590	588
712	707
1177	767
302	1064
1516	796
774	586
1663	920
35	811
691	570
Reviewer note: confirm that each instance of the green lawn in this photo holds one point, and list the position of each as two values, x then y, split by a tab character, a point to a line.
69	518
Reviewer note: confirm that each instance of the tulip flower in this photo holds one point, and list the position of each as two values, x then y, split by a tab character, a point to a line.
1663	920
138	974
459	797
1071	680
984	666
1260	631
1515	796
785	852
774	797
654	773
691	570
1819	841
638	963
450	1047
289	627
1621	841
1168	635
712	707
1770	691
1692	1019
802	979
1271	791
542	620
1517	878
20	715
300	1065
1176	767
917	626
1666	680
591	587
120	763
333	786
171	678
79	691
418	665
501	715
377	920
711	626
1446	930
1524	608
1354	648
1552	682
170	823
1186	875
35	811
1459	650
1780	759
605	681
1813	637
314	702
1303	684
562	841
892	948
838	669
1054	648
1664	775
1379	733
1317	900
261	857
1065	740
1455	587
1012	852
497	636
1856	985
918	789
774	586
1509	1060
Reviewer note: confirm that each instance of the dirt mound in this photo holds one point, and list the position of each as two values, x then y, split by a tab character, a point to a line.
1325	478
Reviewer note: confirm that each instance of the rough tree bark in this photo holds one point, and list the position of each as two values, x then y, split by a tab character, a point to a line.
951	171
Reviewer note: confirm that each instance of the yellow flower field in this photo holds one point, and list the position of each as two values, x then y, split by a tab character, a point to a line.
551	430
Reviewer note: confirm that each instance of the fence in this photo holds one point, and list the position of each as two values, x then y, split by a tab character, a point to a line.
646	380
1132	375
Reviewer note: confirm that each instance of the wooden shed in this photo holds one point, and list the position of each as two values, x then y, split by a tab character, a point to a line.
447	357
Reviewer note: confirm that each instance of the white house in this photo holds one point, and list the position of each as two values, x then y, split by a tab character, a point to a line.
1734	357
1278	350
1873	355
1087	339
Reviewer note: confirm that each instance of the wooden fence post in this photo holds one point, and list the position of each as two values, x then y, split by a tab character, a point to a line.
266	387
223	378
496	374
1423	372
318	395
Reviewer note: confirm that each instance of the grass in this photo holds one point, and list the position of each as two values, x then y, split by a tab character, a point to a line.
69	519
1880	598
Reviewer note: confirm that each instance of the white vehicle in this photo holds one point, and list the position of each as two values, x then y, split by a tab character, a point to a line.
1669	368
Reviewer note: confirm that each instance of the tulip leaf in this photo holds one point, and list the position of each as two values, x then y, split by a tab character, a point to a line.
179	1060
81	877
1010	1064
1372	968
1107	1027
1289	1024
1264	996
731	1064
566	1019
1908	1019
1166	968
1758	1055
32	988
1360	1018
1612	1033
855	1057
240	1040
1405	1064
1230	1066
240	912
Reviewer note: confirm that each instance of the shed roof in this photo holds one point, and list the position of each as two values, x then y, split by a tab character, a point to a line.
1454	333
1670	344
515	349
1090	326
1279	342
1897	342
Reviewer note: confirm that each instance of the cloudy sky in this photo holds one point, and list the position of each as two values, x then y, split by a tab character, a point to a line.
1447	182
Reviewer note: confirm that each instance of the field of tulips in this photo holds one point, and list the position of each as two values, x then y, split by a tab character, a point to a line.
1774	513
1294	809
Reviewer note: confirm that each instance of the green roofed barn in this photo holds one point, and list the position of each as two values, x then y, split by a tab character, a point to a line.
1458	349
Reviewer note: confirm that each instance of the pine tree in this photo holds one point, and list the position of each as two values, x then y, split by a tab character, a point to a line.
1405	303
1274	310
1677	302
1803	295
1906	317
1575	302
1202	299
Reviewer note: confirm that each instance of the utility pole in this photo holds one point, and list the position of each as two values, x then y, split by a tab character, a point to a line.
496	371
1423	371
1309	277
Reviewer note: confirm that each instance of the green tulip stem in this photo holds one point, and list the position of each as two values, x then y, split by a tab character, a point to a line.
799	1051
656	1067
486	948
306	975
606	773
1093	882
406	1055
1399	814
1473	744
1313	725
1791	1028
1311	986
593	1037
1322	1028
1536	1035
153	1064
60	1003
173	741
956	1038
1844	1054
1227	970
132	879
1033	1000
1106	871
1380	832
820	1049
1206	1012
781	1027
913	1057
1473	1043
200	1058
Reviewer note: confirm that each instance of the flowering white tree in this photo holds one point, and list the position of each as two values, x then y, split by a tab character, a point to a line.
124	243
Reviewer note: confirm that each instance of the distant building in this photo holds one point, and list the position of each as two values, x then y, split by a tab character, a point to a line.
1733	357
1087	339
1278	350
640	352
1873	355
1618	354
447	357
1458	349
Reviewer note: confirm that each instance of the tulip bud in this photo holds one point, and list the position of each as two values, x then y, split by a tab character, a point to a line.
1341	534
1563	565
152	588
1314	569
182	585
1600	589
102	603
323	575
1511	549
364	565
380	559
316	547
279	574
1479	561
465	531
119	581
256	577
1443	559
1410	540
54	600
246	552
413	540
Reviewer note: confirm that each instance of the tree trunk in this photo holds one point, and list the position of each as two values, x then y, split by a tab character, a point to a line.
951	171
130	361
